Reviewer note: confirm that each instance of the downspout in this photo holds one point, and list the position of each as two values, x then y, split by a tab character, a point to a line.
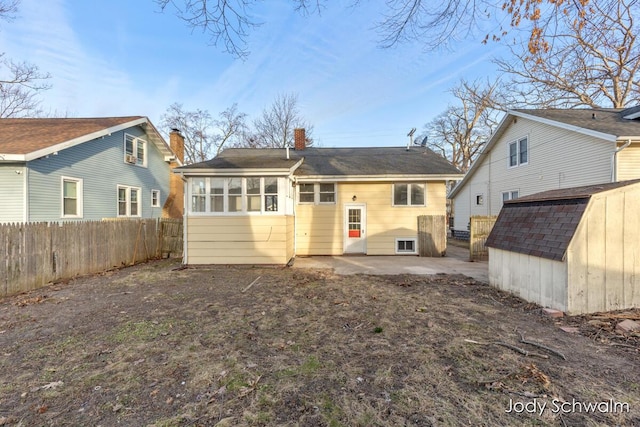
185	198
25	214
614	160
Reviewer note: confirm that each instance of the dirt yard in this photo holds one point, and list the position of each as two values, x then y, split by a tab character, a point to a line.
154	346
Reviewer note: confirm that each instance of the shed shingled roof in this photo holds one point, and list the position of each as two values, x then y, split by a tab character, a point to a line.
336	161
543	224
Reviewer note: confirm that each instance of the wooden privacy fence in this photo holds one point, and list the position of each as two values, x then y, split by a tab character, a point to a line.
34	254
480	227
432	235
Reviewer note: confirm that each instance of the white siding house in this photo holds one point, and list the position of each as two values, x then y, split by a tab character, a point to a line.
539	150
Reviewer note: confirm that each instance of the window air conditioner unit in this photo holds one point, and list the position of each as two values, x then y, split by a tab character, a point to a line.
131	159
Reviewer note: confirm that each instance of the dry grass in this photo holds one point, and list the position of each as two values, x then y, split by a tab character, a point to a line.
152	346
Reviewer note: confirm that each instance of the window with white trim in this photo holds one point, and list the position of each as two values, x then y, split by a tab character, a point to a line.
135	150
510	195
317	193
519	152
128	201
409	194
406	246
155	198
235	195
71	195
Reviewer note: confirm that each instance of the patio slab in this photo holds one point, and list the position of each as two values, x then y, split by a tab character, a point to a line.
456	262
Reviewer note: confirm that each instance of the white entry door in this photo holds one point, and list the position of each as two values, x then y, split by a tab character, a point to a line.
355	227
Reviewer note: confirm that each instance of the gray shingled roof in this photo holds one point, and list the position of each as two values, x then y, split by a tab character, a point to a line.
543	224
336	161
605	120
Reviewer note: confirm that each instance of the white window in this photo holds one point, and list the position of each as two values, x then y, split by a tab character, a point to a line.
135	150
479	199
155	198
406	246
519	152
234	195
409	194
71	199
510	195
128	201
317	193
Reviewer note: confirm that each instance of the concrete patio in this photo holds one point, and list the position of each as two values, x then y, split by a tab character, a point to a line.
456	262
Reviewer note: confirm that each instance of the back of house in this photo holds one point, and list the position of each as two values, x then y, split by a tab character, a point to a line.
265	206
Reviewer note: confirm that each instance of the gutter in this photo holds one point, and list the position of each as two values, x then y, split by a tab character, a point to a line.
614	160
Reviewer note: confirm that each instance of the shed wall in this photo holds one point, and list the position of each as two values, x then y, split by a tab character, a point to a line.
534	279
246	239
604	255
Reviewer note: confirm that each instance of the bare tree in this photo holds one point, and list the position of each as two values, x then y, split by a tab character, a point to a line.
461	131
433	24
20	82
204	136
231	127
592	63
274	128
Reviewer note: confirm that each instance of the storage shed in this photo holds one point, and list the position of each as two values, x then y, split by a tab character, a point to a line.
574	249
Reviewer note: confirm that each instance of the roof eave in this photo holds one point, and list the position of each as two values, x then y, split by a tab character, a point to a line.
372	178
574	128
82	139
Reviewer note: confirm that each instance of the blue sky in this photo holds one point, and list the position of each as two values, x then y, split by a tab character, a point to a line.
117	57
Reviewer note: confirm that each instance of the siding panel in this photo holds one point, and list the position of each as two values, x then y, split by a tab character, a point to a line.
12	183
100	164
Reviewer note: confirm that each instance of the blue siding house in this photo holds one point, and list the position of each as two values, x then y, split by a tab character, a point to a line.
71	169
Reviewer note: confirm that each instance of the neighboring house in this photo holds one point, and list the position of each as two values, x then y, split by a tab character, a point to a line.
68	169
253	206
574	250
539	150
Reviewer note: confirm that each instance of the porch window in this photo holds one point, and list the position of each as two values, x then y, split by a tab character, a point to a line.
409	194
235	195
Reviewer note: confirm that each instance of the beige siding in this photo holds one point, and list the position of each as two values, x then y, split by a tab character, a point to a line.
557	159
255	239
320	228
604	254
534	279
629	163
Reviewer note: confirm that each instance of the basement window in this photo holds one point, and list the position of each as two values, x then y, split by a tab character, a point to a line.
406	246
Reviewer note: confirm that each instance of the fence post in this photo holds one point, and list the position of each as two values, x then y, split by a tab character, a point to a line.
480	227
432	235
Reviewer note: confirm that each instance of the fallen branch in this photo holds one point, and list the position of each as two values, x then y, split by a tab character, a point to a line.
520	350
617	316
535	344
618	344
251	284
512	347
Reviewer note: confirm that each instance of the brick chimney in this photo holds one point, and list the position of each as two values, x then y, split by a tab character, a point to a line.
174	205
299	139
